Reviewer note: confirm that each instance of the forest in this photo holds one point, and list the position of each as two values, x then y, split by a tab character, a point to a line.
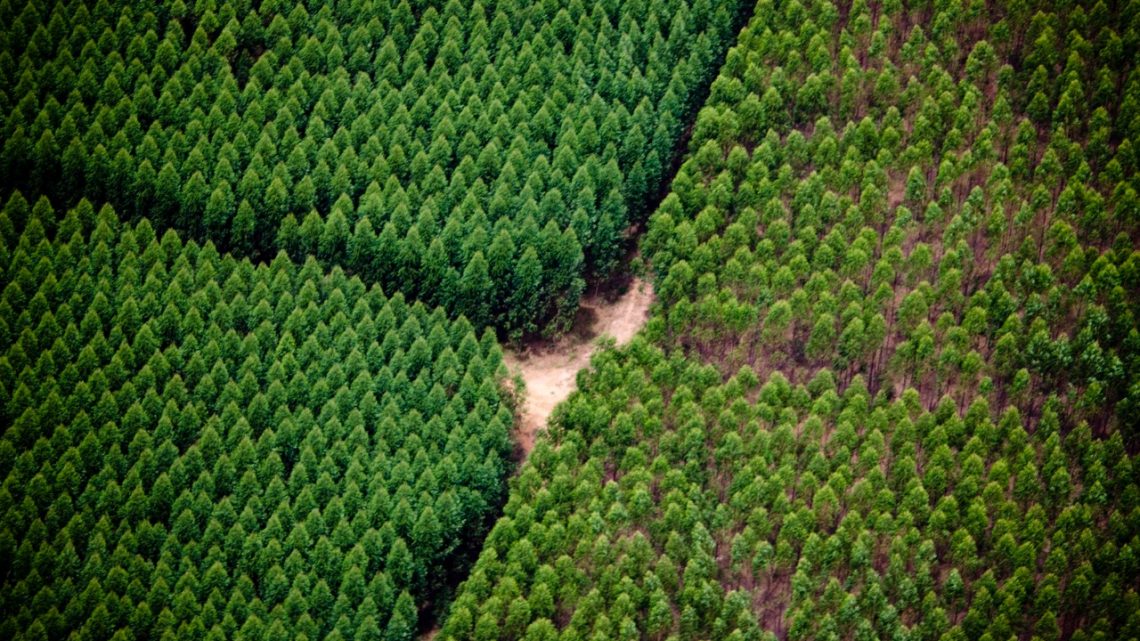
193	441
414	144
262	265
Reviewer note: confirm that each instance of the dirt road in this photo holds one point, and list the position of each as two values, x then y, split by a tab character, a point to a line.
550	370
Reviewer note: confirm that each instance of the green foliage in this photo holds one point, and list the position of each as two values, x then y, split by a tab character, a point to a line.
887	392
464	121
194	445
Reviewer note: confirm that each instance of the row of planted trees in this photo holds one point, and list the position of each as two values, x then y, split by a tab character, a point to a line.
311	446
523	137
888	392
195	447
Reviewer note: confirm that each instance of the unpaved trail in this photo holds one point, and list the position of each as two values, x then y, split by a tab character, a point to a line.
550	370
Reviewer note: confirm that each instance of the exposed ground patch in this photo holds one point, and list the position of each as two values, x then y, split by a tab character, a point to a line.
549	369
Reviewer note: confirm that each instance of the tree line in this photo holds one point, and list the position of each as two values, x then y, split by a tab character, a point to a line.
485	157
888	391
199	448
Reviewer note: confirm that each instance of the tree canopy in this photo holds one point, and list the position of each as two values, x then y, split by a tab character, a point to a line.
887	390
197	446
359	131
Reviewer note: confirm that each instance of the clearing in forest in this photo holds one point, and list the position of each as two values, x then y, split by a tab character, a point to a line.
550	369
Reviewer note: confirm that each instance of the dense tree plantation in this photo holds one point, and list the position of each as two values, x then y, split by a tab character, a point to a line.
932	218
890	388
487	156
256	259
198	448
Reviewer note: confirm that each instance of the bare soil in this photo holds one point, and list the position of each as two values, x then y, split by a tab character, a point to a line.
550	369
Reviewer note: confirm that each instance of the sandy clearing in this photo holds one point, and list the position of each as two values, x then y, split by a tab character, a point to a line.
550	370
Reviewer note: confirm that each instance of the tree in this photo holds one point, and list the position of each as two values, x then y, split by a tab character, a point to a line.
526	292
219	211
518	617
402	625
400	565
334	238
541	630
475	291
487	628
362	251
242	229
822	338
276	204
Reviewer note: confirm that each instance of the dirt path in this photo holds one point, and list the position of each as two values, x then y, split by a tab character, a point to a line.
550	371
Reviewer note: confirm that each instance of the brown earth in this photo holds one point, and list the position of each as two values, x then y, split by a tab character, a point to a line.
550	369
